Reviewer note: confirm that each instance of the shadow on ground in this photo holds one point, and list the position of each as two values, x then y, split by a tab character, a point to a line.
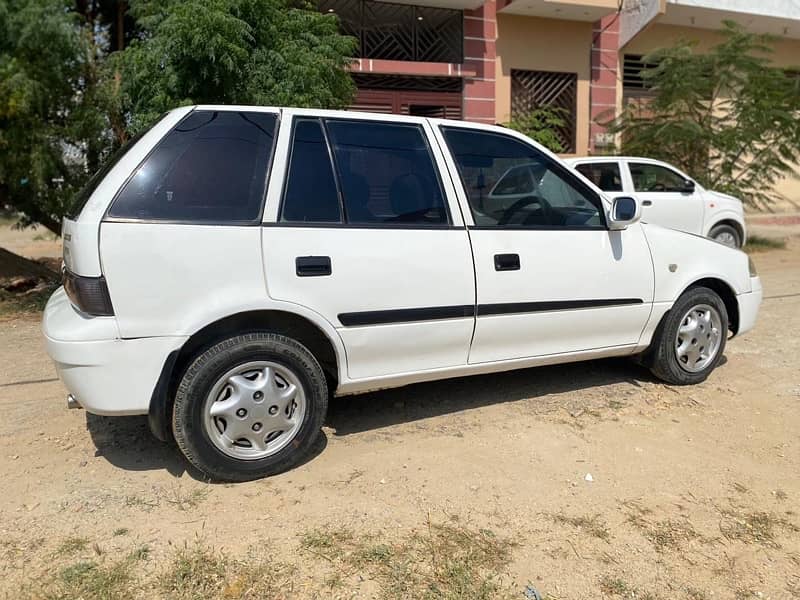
355	414
126	442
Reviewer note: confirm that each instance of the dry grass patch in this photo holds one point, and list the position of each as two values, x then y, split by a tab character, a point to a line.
760	243
592	525
754	527
443	561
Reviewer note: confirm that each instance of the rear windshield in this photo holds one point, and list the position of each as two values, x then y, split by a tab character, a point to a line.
211	168
82	197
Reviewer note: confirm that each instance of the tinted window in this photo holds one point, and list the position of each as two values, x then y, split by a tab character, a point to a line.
83	196
511	184
212	167
386	173
310	194
655	178
604	175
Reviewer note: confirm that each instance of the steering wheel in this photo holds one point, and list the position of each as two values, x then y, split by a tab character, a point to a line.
522	203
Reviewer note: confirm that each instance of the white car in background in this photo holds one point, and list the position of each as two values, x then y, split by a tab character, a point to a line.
668	197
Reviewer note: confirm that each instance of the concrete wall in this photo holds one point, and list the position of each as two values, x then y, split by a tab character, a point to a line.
538	44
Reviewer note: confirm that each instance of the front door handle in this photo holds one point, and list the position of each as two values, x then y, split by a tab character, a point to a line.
506	262
647	202
312	266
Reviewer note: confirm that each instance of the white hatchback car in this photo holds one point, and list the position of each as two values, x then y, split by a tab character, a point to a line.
668	197
233	265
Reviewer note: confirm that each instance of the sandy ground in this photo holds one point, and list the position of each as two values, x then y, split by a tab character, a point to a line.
609	483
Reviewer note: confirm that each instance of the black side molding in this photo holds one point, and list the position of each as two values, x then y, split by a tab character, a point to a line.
508	308
312	266
434	313
406	315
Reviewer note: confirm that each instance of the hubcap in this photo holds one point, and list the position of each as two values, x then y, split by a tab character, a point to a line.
726	238
699	337
254	410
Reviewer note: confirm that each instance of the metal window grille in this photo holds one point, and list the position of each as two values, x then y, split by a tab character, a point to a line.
536	89
632	67
401	31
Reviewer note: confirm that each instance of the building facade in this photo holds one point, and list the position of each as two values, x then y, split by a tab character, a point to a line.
490	61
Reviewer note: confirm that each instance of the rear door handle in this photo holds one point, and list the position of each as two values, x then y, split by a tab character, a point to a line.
647	202
506	262
312	266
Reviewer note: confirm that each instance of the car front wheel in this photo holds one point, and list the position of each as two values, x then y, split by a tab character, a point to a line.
250	406
690	341
726	235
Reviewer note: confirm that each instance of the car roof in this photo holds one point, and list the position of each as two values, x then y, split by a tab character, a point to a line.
577	159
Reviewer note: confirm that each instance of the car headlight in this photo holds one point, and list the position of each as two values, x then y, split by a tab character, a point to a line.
752	266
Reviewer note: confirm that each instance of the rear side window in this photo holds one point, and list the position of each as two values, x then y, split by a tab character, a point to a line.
211	168
310	195
83	196
386	173
604	175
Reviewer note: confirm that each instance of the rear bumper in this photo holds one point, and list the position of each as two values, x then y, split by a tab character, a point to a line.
107	375
749	304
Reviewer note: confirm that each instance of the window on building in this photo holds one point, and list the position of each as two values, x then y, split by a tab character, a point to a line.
632	67
510	184
386	173
310	195
536	89
655	178
401	31
604	175
212	167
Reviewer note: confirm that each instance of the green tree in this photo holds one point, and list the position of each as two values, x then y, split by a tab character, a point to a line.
67	101
541	125
727	116
265	52
50	130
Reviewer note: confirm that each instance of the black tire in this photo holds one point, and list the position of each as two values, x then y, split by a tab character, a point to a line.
724	228
208	367
661	357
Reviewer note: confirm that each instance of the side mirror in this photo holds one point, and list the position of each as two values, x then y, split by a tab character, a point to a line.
624	211
688	186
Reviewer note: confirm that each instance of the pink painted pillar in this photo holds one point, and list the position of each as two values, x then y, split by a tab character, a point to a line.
480	35
605	79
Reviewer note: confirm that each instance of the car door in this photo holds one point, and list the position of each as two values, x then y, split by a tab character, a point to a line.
552	279
665	197
362	228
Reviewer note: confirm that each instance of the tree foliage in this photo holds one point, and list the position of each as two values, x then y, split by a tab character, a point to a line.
49	117
265	52
727	117
540	125
67	101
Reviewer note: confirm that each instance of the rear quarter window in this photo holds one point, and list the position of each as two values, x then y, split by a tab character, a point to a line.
211	168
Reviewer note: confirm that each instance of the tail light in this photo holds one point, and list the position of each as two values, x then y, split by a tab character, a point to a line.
88	294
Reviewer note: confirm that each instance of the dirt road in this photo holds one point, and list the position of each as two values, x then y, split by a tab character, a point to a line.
598	480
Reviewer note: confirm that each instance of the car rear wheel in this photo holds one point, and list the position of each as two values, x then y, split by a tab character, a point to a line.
249	407
726	234
690	341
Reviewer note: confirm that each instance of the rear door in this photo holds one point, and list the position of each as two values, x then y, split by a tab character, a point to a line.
362	228
552	279
661	192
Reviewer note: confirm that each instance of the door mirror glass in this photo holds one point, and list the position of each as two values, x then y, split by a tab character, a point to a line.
624	211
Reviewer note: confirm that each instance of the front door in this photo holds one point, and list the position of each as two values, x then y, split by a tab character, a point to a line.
551	277
664	199
363	230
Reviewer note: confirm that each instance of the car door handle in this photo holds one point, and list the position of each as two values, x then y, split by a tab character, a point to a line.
506	262
647	202
312	266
